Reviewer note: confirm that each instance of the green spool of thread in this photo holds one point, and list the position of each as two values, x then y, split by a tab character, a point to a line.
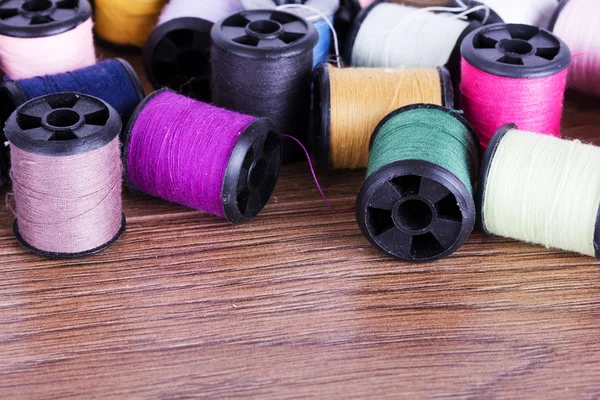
417	201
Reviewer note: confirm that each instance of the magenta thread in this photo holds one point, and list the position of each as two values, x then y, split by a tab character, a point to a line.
179	150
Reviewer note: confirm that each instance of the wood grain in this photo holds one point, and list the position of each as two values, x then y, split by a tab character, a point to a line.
297	304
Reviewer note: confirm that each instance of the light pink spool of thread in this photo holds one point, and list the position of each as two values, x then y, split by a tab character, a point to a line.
67	175
41	37
577	22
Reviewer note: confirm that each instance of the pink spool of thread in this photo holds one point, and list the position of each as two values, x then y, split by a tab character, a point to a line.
42	37
67	175
577	23
207	158
513	74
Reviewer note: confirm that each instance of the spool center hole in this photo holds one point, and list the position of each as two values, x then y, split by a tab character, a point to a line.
62	118
258	173
516	46
415	215
36	5
190	62
264	27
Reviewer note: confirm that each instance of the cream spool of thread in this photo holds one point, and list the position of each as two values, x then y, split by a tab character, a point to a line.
576	22
67	175
42	37
126	24
427	40
542	190
350	102
177	52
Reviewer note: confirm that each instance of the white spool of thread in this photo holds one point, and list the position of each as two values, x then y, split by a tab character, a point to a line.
393	35
544	190
529	12
209	10
577	22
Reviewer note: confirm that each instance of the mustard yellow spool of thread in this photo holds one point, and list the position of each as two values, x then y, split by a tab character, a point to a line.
350	102
126	22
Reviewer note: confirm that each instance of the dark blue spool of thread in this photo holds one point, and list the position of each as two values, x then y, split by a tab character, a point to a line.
112	80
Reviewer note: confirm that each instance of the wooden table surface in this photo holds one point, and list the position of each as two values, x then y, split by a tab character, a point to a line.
297	303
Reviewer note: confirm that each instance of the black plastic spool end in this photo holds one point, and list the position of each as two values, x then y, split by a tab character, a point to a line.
63	124
556	15
135	79
11	96
516	51
485	169
321	141
252	171
270	34
415	210
177	56
42	18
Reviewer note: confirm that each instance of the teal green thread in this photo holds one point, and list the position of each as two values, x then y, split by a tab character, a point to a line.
429	135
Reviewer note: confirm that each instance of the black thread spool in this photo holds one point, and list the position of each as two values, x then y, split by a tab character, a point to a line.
262	65
59	125
252	170
476	19
177	56
344	19
12	96
322	112
415	210
41	18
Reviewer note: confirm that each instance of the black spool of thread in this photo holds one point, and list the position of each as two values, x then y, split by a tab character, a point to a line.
262	66
111	80
177	52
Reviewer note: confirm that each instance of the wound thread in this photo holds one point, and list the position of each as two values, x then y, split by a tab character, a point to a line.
417	202
513	73
67	175
201	156
428	36
41	37
577	24
542	190
262	65
352	101
126	22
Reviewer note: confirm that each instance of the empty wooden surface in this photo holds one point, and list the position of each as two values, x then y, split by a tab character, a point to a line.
297	303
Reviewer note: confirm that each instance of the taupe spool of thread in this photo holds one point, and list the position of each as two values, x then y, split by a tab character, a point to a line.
67	175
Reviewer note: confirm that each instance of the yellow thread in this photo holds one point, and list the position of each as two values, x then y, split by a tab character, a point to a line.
362	97
126	22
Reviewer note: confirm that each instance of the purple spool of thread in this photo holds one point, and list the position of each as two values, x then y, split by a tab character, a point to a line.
207	158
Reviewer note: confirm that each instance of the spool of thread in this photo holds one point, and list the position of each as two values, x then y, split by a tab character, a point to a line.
113	81
39	37
429	38
513	73
576	22
327	8
543	190
528	12
126	23
67	175
177	53
417	202
350	102
201	156
262	65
